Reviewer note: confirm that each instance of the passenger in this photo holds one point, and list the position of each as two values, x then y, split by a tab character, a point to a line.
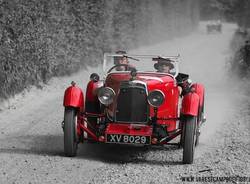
164	66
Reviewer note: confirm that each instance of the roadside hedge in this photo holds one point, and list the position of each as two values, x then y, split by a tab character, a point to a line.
40	39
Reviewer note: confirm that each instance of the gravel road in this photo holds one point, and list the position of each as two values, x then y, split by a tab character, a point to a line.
31	138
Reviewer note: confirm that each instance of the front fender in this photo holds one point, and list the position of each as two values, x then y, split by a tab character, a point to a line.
200	90
73	97
190	104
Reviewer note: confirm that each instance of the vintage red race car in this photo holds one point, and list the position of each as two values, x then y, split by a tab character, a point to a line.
134	106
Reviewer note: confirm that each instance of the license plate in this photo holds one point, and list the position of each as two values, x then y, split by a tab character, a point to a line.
128	139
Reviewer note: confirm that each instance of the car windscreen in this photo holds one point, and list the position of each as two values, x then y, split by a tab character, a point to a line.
149	63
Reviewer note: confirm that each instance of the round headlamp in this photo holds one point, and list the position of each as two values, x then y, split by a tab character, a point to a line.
106	95
156	98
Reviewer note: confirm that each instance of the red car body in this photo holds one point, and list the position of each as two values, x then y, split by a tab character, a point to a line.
130	119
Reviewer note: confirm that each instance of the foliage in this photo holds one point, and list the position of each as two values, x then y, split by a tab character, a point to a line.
42	39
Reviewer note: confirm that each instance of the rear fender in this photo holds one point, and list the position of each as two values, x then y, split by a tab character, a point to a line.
91	92
190	104
92	103
73	97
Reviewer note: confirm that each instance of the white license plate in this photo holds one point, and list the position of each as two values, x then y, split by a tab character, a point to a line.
128	139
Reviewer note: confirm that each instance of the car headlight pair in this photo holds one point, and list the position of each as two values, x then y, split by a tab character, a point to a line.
106	97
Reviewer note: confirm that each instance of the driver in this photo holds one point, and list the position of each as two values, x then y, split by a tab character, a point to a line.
163	65
122	60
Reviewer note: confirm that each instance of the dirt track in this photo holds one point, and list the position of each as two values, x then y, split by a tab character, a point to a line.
31	138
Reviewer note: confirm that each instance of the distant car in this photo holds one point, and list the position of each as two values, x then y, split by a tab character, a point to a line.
241	31
214	27
136	107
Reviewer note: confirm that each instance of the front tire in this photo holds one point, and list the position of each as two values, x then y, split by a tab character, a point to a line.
70	133
199	122
189	140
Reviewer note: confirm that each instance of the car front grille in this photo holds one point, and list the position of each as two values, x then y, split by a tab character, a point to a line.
132	103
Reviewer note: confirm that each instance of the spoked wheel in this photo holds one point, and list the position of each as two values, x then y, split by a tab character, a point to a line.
189	139
70	131
181	143
199	122
197	136
198	131
198	128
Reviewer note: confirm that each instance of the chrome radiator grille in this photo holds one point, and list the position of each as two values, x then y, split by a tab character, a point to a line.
132	103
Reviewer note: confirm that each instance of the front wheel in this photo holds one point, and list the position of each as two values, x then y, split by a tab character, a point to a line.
200	120
189	140
70	133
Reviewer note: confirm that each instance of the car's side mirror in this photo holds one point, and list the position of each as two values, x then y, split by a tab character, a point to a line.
94	77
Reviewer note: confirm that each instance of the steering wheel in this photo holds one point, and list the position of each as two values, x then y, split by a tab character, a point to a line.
118	65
